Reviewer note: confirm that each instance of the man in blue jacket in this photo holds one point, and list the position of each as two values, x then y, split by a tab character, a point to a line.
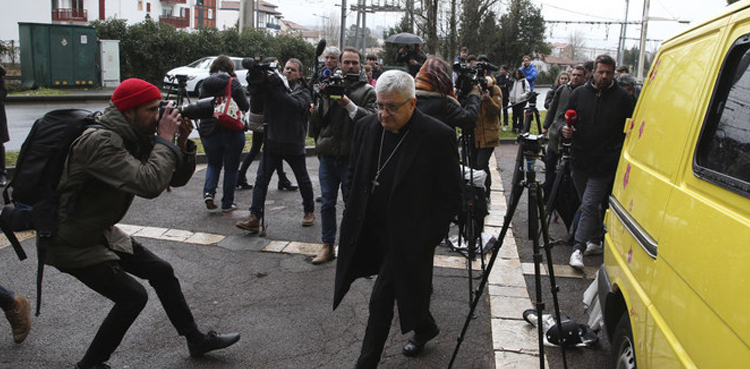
529	70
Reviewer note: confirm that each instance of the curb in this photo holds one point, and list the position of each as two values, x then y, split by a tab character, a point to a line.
56	98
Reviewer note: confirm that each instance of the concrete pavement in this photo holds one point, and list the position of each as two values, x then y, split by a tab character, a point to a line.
267	289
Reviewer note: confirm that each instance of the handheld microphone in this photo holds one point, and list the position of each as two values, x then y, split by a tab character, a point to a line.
570	117
326	72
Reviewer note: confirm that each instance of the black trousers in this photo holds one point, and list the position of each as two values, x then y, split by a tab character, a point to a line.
382	300
113	280
254	151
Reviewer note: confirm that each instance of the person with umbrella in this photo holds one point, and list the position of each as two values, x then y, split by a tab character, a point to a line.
413	56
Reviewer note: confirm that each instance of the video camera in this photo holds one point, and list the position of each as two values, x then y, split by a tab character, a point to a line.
335	83
468	76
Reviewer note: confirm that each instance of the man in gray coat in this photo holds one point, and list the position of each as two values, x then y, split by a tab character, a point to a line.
131	155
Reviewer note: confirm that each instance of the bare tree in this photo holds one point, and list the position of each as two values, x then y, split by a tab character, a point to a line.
332	29
576	42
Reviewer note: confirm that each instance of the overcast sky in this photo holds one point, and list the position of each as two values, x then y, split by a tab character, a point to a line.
312	12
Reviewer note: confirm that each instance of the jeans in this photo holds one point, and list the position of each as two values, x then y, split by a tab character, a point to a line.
6	298
333	172
272	159
113	280
592	191
223	149
254	151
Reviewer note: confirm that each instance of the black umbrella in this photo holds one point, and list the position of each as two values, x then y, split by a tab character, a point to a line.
405	38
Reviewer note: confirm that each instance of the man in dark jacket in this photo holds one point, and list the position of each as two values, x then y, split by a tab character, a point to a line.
602	107
405	190
286	112
504	81
106	168
332	125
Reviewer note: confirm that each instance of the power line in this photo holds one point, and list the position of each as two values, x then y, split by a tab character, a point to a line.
576	12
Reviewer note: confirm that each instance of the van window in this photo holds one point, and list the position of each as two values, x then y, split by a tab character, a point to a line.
723	154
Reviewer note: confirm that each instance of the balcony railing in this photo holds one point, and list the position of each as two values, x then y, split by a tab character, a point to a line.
178	22
70	14
273	26
175	1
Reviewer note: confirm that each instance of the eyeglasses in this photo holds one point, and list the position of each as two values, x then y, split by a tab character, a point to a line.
391	108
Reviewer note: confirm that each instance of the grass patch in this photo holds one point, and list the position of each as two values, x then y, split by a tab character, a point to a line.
39	91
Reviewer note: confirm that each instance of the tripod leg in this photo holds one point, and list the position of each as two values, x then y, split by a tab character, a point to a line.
534	219
552	196
554	288
516	192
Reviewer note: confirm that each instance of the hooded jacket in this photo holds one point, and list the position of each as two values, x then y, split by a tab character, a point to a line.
105	170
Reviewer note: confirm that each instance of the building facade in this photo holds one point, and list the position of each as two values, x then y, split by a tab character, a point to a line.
183	14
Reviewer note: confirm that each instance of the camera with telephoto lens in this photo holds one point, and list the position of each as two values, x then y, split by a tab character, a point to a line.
201	109
531	98
468	76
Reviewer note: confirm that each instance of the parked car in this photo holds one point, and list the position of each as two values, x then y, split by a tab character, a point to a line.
673	286
197	71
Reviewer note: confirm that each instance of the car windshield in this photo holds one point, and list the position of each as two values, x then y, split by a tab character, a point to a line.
238	64
203	63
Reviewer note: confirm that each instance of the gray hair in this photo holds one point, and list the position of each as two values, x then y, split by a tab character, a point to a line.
332	50
396	81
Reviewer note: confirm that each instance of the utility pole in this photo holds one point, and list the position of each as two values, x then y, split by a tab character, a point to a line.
343	25
642	51
247	12
623	34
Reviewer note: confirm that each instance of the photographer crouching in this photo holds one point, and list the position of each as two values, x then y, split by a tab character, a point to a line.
284	102
345	97
132	153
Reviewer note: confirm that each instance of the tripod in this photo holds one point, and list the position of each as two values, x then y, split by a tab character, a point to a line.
563	166
181	94
531	147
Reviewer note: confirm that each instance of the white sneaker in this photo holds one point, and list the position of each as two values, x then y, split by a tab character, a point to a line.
593	248
576	259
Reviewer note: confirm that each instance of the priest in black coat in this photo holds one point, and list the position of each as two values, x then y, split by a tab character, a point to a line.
405	190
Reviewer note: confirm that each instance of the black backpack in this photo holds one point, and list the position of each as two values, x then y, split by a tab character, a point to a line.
31	197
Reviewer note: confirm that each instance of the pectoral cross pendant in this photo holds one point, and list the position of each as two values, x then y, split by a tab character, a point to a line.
375	184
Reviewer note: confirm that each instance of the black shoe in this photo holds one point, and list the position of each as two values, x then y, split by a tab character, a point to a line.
416	342
212	341
288	187
244	186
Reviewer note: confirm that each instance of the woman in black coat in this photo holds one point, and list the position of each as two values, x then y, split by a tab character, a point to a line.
435	96
223	146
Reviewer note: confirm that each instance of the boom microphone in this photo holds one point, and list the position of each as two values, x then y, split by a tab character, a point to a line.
570	117
319	49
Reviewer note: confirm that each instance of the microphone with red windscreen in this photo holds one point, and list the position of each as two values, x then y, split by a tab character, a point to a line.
570	117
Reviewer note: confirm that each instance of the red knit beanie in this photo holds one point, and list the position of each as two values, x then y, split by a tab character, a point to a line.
133	92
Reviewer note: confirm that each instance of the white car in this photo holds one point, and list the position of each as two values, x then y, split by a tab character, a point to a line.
197	71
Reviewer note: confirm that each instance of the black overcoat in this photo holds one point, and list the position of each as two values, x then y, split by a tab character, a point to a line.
425	197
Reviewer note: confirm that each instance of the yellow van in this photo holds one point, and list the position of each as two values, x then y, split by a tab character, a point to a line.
675	283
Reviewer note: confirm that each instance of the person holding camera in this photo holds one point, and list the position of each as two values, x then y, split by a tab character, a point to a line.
436	96
331	56
258	137
406	188
487	132
332	126
602	107
413	57
286	111
223	146
134	153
